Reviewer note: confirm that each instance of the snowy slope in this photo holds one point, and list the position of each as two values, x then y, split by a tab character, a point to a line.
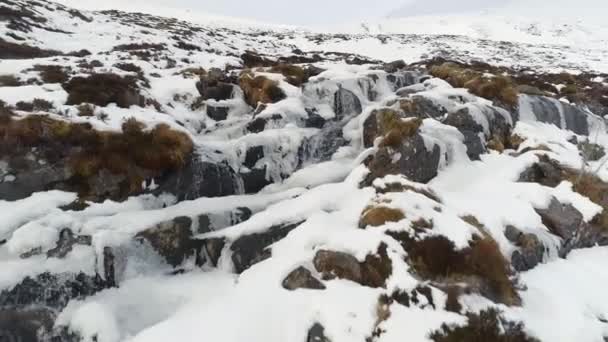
285	185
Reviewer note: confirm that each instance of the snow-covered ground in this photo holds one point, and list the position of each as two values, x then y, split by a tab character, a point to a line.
562	299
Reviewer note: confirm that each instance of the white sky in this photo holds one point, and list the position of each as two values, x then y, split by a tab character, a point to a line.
337	12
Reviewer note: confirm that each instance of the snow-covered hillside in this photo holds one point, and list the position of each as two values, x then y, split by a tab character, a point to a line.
163	179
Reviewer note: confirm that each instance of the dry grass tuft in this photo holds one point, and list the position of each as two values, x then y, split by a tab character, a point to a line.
497	87
130	153
487	326
481	266
9	81
259	89
380	215
294	74
394	128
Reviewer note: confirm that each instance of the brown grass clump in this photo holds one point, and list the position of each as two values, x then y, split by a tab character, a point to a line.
259	89
592	187
9	81
399	187
487	326
380	215
294	74
103	89
133	153
395	129
52	73
498	87
86	110
37	105
482	266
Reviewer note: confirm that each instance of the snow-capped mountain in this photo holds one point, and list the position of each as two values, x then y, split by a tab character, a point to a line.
435	178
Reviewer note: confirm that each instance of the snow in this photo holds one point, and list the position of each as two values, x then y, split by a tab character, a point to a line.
563	299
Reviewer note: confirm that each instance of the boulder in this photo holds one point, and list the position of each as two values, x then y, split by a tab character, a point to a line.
530	250
562	220
171	239
253	155
316	333
372	272
546	172
215	86
67	241
394	66
216	221
254	180
212	250
103	89
248	250
217	113
411	158
302	278
200	178
346	103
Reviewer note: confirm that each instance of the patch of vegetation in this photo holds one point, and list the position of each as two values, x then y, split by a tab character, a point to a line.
86	110
259	89
128	67
379	215
23	51
487	326
481	266
395	129
138	46
133	153
37	105
9	81
103	89
400	187
52	73
496	87
294	74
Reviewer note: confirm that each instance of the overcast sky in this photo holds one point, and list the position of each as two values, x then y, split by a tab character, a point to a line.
330	12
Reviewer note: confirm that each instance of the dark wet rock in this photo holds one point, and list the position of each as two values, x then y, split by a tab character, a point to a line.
316	333
259	124
254	180
103	89
216	221
302	278
109	266
562	220
212	249
411	159
426	108
591	151
253	155
475	145
171	239
332	264
254	60
251	249
200	178
402	79
346	103
322	146
217	113
314	120
32	324
546	172
31	175
463	120
372	272
215	85
530	250
470	129
67	241
51	290
394	66
550	111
